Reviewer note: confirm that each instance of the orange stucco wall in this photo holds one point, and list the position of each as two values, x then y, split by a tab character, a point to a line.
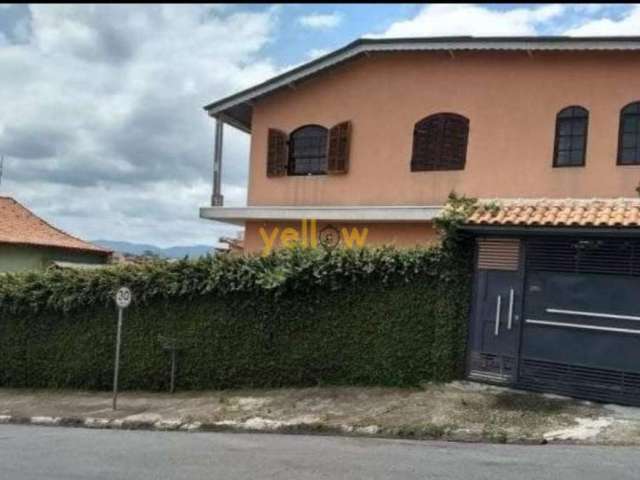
398	234
511	100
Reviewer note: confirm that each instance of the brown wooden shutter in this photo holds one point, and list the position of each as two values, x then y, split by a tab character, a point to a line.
339	143
440	143
455	134
276	153
427	136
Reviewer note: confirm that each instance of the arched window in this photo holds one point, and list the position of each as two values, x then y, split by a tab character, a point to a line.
629	136
440	142
571	137
308	151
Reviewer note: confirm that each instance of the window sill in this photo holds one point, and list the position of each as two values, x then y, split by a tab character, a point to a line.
569	166
306	174
413	169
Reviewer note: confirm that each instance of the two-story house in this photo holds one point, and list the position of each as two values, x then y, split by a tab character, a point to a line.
363	145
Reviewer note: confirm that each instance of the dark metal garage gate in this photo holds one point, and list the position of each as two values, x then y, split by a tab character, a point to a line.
558	314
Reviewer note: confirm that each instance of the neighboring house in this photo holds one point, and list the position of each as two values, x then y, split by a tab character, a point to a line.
233	244
29	243
376	135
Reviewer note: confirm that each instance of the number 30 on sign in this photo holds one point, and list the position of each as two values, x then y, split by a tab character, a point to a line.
123	297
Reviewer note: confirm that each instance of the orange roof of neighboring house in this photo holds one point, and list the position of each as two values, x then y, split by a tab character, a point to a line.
614	212
18	225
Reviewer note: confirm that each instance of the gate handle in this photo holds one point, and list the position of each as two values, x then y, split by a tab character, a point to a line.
498	308
510	318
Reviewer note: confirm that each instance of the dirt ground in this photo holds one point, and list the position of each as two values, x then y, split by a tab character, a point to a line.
461	411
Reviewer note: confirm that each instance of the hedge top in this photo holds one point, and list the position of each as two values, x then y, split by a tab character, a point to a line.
287	269
291	269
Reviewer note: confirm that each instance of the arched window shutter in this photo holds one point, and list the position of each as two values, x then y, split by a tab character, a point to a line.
454	142
427	142
339	142
276	153
440	143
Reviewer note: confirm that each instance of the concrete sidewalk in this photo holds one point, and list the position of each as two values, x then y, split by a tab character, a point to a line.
458	411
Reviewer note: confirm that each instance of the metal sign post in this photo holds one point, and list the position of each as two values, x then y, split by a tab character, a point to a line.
123	300
170	344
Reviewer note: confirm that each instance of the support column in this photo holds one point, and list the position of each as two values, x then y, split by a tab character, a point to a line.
216	198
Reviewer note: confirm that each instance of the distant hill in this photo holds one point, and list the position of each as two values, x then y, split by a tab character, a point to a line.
192	251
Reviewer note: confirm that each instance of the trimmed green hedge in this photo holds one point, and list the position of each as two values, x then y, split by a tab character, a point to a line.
297	317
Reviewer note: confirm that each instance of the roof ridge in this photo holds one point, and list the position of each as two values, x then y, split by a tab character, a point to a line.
620	212
558	199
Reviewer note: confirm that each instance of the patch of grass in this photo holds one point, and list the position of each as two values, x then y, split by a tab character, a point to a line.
495	436
428	431
530	403
310	428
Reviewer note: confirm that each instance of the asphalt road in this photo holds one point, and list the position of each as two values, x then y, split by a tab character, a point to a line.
52	453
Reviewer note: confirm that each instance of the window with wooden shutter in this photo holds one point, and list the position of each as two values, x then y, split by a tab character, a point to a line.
308	151
276	153
440	142
339	142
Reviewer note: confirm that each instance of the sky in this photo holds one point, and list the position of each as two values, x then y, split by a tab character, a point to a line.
101	120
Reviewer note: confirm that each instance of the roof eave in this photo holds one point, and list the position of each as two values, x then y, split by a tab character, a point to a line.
95	250
367	45
523	230
352	213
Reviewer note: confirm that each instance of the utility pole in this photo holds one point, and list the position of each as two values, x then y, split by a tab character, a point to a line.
1	168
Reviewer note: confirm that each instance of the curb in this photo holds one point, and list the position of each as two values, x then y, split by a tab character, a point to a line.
177	425
101	423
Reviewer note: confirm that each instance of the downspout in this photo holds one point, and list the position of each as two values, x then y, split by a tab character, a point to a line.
216	198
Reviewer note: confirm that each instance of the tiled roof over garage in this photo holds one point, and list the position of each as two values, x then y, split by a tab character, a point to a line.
18	225
619	212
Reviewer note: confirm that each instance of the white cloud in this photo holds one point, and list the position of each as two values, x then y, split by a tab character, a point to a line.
317	52
118	212
111	140
628	25
468	19
321	21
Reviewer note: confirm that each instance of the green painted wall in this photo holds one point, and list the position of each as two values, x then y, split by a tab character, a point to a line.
20	258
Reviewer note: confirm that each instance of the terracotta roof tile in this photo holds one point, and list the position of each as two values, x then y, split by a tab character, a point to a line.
18	225
597	212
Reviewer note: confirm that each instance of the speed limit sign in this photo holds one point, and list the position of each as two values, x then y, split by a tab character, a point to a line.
123	297
123	300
